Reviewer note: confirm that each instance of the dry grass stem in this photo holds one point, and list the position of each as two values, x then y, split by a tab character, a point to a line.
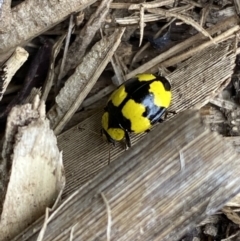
119	77
136	56
150	17
74	92
222	37
152	4
118	5
231	237
34	92
78	48
63	61
237	6
50	76
205	12
44	227
196	4
72	232
181	47
97	97
141	25
109	217
231	214
185	19
235	47
135	19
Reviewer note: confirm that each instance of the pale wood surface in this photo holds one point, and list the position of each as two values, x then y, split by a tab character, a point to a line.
31	171
195	82
156	190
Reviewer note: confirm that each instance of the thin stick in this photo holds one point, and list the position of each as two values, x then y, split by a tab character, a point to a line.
182	46
141	24
44	227
185	19
148	44
70	27
152	4
94	74
199	48
49	80
108	215
71	233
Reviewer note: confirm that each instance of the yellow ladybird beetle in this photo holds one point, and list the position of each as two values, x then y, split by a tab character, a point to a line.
135	106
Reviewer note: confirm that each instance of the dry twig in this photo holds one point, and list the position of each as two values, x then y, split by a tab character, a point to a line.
79	46
74	92
50	76
109	224
185	19
237	6
11	66
150	17
152	4
141	25
221	26
222	37
136	56
63	61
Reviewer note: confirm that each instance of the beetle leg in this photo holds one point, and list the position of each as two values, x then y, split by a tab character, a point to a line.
113	143
109	139
171	112
167	112
128	140
147	131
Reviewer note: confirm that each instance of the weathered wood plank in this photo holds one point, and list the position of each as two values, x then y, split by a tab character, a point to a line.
194	82
156	190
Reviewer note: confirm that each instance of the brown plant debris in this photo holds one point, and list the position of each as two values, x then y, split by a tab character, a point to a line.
77	53
31	18
79	46
71	96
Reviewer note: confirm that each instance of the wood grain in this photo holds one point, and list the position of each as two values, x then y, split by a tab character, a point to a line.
29	19
156	190
194	82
